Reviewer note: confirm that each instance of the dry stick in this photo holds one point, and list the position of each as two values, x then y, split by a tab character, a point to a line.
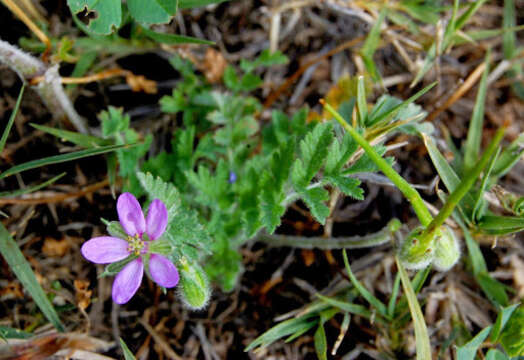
50	88
106	74
468	84
160	341
57	198
30	8
290	80
30	24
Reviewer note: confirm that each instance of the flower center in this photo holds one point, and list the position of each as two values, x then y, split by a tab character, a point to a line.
136	245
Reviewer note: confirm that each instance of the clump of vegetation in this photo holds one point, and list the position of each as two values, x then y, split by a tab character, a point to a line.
229	169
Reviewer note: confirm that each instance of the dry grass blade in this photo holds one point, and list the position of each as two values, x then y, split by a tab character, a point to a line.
160	341
59	197
11	5
463	89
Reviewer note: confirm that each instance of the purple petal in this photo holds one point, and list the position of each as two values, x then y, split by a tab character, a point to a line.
130	214
128	281
163	272
156	219
105	249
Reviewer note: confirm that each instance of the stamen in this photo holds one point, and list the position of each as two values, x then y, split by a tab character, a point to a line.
136	245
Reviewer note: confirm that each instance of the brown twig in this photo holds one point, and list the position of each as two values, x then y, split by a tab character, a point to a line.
106	74
468	84
160	341
57	198
136	82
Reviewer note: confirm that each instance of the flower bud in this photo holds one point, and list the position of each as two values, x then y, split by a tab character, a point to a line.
413	253
447	250
194	287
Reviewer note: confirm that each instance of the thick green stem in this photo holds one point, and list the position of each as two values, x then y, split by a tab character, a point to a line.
409	192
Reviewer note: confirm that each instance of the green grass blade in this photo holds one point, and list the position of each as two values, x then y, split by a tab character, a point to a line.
469	350
11	120
21	268
428	62
371	45
509	38
394	294
420	278
300	332
403	104
495	290
128	355
475	254
347	306
79	139
11	333
174	39
484	34
454	24
320	342
62	158
30	189
500	225
464	186
509	157
445	171
186	4
484	184
474	137
472	9
281	330
377	304
422	344
362	104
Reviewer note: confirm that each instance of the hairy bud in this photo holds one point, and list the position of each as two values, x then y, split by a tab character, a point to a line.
413	253
447	250
194	287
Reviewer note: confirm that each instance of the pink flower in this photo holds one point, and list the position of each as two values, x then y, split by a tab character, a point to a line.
108	249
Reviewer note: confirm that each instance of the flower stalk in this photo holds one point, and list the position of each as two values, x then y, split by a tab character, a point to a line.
409	192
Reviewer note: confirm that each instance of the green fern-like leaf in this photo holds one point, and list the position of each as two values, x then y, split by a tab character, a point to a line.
273	182
349	186
156	188
314	199
212	189
184	231
271	205
339	154
314	149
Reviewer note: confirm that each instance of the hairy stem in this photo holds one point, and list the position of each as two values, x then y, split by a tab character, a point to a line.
347	242
50	89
